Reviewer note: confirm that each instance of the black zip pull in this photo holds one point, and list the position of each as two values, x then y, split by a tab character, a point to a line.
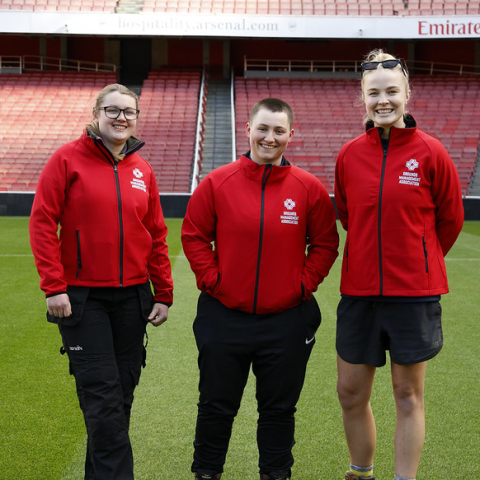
266	174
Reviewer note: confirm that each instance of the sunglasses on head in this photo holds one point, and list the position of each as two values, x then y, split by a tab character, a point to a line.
385	64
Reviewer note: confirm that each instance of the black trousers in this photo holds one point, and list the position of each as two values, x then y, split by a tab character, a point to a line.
106	353
277	347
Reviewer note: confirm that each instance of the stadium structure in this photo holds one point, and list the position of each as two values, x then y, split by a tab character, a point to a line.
200	65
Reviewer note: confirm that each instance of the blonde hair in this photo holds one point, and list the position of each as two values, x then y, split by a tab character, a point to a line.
379	55
114	87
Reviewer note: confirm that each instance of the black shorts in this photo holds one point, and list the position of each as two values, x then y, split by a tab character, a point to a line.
412	331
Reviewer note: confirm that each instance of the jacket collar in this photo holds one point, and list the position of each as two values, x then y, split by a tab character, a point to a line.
398	136
262	173
132	145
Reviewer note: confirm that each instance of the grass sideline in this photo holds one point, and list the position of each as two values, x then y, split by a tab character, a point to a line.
42	434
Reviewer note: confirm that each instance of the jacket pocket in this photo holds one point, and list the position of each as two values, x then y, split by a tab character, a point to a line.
346	255
216	287
79	254
425	253
312	317
78	297
145	296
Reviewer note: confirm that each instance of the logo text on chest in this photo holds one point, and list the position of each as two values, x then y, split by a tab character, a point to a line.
137	182
289	216
410	177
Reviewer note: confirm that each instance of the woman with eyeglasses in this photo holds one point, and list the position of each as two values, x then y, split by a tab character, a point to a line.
398	197
97	273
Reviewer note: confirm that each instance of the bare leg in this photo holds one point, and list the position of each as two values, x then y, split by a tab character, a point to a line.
354	388
408	386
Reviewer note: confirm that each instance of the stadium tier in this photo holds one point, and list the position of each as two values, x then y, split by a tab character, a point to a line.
252	7
49	109
97	6
167	124
327	115
447	108
45	110
316	7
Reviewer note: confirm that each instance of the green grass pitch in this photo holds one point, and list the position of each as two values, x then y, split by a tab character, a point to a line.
42	436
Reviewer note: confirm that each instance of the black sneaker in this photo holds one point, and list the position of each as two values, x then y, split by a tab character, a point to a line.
207	476
277	475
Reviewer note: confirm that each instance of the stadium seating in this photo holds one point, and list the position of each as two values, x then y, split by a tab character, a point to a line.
252	7
316	7
326	116
44	111
329	112
446	106
47	109
96	6
167	124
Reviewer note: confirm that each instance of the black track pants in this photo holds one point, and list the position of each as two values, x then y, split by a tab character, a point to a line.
106	353
277	347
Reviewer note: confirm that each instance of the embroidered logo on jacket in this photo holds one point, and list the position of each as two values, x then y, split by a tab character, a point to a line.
412	164
289	216
137	182
410	177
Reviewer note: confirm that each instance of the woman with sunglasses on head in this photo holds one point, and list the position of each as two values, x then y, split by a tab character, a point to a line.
97	273
398	197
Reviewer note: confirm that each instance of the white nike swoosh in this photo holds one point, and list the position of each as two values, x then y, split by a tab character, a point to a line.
307	341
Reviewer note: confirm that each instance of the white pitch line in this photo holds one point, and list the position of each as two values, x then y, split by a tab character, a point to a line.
462	259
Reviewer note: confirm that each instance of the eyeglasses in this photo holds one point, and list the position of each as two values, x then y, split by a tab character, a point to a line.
114	112
385	63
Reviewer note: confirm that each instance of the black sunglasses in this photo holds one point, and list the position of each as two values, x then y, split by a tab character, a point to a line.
385	63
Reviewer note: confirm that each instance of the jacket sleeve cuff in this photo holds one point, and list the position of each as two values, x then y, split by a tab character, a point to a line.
163	303
54	294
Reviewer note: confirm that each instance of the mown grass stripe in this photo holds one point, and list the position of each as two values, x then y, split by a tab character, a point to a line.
42	432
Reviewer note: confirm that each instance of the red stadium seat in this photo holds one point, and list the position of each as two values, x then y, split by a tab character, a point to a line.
27	93
318	138
165	95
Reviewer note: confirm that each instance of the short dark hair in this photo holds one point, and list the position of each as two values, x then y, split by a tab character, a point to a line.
274	105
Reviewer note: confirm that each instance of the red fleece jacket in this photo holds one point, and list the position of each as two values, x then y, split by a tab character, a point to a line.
402	209
246	233
112	227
